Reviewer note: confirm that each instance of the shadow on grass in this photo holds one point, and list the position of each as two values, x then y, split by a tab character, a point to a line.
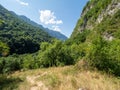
9	83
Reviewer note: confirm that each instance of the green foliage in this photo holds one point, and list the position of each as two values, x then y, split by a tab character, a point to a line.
114	57
9	64
79	38
20	36
91	12
19	62
110	25
9	83
92	47
4	49
2	24
51	54
55	54
105	55
78	51
30	62
98	6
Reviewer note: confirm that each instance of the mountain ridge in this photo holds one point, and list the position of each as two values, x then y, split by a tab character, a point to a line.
53	33
20	36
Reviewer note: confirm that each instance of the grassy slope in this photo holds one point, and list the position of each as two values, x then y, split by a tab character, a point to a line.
61	78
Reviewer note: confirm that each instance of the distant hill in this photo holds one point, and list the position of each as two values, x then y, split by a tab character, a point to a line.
21	37
53	33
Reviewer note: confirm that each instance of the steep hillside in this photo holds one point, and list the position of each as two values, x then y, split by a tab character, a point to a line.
55	34
100	15
97	35
19	36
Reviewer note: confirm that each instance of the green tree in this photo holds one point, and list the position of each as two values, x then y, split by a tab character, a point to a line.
4	49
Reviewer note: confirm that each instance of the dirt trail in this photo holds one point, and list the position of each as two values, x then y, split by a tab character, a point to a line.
36	85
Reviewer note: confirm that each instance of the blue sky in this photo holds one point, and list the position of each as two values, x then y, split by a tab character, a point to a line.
59	15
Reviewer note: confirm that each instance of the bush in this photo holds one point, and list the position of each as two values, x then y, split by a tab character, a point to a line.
56	54
9	64
4	49
105	55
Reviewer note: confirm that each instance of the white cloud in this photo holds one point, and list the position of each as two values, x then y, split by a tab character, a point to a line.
56	28
48	17
22	3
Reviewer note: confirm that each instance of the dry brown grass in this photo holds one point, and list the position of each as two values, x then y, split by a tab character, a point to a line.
68	78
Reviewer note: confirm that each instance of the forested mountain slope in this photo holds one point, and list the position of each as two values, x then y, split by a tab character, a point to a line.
18	36
53	33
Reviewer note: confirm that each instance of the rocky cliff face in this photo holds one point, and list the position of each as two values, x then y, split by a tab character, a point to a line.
98	13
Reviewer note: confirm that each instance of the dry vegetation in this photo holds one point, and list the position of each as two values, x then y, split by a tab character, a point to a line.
65	78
